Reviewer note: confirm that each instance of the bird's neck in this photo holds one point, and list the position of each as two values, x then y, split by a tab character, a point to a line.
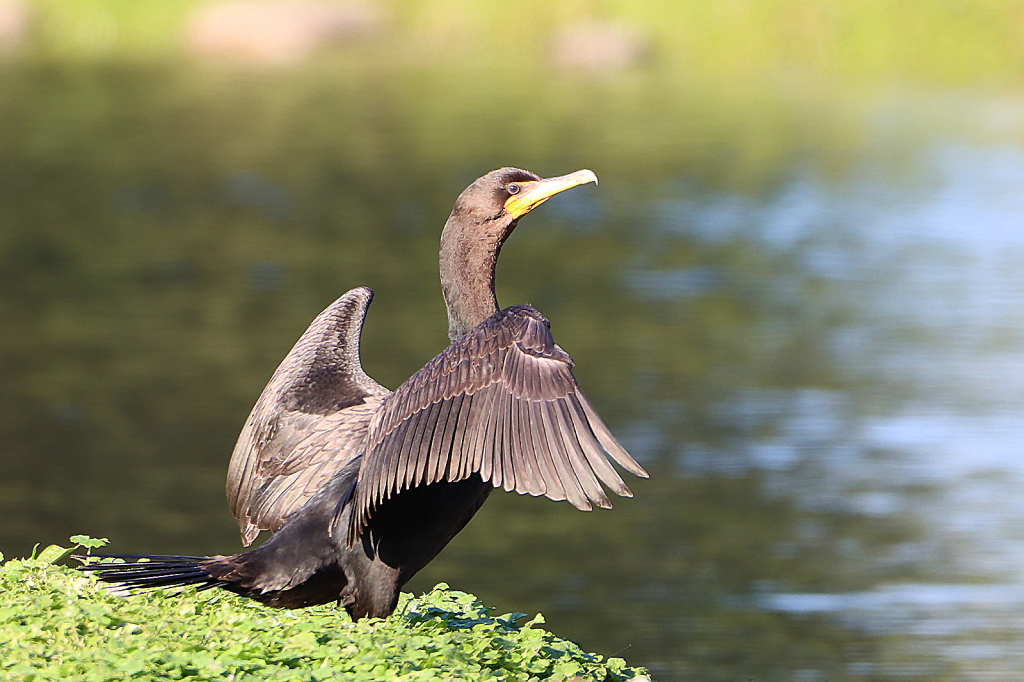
468	259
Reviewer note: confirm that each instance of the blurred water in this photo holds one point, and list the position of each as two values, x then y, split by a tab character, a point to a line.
824	373
934	279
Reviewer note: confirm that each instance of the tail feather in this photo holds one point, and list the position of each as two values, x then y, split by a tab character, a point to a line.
299	566
258	574
143	572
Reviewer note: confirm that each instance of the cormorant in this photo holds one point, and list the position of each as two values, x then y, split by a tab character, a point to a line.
363	486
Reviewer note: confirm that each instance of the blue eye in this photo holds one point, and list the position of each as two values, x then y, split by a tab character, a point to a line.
513	188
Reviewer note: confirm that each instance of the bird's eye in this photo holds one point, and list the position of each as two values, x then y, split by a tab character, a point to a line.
513	188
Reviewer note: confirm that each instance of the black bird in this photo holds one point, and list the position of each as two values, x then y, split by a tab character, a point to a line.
362	486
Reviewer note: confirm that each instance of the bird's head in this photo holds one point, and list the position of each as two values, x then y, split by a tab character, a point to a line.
484	216
500	198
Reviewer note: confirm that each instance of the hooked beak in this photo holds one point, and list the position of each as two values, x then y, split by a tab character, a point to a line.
535	193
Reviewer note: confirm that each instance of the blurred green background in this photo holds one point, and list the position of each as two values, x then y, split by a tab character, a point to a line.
796	294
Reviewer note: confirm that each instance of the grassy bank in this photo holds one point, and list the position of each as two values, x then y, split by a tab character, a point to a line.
59	625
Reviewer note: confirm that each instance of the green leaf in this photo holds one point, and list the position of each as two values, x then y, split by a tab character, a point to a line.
536	620
54	553
513	618
86	541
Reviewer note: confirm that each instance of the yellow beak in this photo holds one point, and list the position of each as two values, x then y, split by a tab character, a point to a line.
533	194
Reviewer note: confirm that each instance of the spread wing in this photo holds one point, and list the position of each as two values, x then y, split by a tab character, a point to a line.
500	402
312	418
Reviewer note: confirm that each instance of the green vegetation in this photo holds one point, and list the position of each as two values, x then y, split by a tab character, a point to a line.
946	41
58	625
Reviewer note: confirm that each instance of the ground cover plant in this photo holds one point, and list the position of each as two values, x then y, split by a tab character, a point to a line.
58	624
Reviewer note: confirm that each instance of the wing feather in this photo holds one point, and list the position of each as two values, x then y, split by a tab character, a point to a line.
608	442
481	421
592	450
500	402
449	438
573	492
507	449
575	453
411	452
438	457
521	443
555	490
496	438
310	421
458	448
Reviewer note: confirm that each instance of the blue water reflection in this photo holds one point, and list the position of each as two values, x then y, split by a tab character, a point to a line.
933	429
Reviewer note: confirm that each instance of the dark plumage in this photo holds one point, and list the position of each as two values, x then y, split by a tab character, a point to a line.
362	486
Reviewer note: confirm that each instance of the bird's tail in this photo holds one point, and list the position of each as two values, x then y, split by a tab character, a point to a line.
298	566
142	571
